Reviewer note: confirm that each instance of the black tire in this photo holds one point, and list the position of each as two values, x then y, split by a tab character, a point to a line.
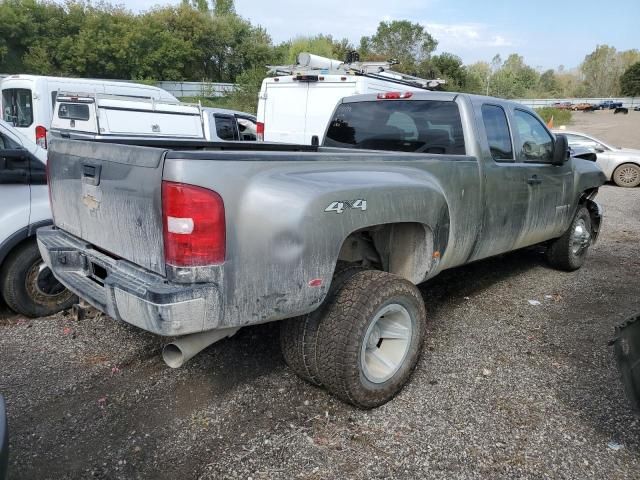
342	335
29	290
562	253
298	336
627	175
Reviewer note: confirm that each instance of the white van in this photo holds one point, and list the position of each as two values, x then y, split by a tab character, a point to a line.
105	116
296	106
27	100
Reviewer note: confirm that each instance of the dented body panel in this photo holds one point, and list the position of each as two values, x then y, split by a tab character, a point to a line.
290	216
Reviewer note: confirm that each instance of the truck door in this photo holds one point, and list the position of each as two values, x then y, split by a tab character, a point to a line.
504	185
549	186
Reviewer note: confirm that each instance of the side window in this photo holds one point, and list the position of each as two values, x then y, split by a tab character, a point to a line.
14	163
18	107
54	95
536	144
498	136
7	143
74	111
225	127
248	129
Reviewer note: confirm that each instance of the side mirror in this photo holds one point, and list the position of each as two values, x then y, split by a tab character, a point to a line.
315	141
560	150
599	148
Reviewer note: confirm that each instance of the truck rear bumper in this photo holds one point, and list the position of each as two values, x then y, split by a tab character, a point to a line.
127	292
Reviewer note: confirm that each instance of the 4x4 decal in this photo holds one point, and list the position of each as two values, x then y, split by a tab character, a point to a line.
342	205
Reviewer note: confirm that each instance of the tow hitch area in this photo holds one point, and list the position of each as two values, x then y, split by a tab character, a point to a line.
626	345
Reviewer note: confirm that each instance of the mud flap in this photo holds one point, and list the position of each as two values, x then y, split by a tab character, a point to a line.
595	212
626	346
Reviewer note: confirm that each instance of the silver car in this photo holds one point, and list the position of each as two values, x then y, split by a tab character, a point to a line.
620	165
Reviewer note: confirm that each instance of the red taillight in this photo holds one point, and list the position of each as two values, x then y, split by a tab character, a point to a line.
260	131
41	136
194	225
394	95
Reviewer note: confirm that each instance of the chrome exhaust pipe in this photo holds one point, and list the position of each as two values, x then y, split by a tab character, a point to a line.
183	349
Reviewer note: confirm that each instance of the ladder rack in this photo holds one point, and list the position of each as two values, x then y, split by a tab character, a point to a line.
309	64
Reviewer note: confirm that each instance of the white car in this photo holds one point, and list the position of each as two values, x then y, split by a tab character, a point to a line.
620	165
26	284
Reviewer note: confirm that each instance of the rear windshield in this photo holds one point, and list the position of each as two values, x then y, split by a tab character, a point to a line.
17	107
73	111
424	126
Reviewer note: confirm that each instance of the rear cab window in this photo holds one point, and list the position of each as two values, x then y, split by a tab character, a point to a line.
226	127
17	107
420	126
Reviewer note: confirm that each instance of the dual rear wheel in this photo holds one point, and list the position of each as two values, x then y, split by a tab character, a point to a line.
363	343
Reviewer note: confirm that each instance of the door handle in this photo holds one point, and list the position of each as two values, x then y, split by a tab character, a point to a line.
534	180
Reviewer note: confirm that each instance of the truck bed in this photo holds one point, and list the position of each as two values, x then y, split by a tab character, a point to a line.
181	145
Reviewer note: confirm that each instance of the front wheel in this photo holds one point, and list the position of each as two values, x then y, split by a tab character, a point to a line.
570	250
29	287
627	175
370	338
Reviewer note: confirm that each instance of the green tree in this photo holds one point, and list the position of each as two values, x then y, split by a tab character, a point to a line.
448	67
601	71
548	84
224	7
409	43
630	81
318	45
478	78
245	96
200	5
513	79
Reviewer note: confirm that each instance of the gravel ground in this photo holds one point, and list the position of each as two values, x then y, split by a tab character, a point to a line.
618	130
504	389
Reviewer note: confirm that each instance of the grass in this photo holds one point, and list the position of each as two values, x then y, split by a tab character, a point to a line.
216	102
560	117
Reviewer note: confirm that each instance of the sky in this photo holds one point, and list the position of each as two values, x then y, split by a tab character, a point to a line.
547	33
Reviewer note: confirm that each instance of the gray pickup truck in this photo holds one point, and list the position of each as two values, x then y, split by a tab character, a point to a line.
196	240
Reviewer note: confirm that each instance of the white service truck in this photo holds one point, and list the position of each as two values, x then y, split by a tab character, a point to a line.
27	101
103	116
295	105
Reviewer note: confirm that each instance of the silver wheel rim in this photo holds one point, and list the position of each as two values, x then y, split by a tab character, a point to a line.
628	175
386	343
44	283
580	237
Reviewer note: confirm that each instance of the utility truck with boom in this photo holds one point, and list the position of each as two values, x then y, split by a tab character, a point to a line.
295	105
196	240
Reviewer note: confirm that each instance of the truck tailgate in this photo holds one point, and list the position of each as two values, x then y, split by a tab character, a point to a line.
110	196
